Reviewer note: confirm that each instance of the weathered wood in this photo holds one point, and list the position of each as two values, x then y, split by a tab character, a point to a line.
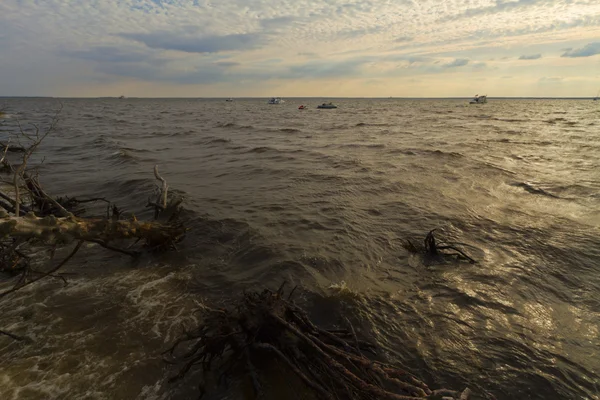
67	229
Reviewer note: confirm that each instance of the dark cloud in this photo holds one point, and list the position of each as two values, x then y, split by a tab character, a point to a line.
459	62
500	6
309	55
322	69
355	33
276	23
152	73
403	39
110	54
197	44
227	64
530	57
590	49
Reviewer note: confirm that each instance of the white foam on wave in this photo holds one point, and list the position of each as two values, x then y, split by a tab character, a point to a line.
96	338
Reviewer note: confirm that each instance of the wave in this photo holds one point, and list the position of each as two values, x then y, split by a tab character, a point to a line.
290	130
372	124
123	156
261	149
367	146
217	140
534	190
425	152
233	125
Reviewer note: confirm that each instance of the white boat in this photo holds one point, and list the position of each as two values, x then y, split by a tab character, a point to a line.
229	99
479	99
275	100
327	105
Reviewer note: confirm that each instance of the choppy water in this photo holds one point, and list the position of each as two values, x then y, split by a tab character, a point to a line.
321	198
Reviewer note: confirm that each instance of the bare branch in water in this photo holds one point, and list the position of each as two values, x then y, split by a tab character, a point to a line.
161	200
53	270
12	336
434	250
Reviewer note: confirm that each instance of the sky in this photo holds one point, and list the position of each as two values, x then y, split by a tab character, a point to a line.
297	48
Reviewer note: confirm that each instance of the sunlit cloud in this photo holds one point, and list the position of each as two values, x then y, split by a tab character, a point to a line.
305	47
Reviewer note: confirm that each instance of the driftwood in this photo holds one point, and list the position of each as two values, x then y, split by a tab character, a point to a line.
331	364
51	229
52	222
438	251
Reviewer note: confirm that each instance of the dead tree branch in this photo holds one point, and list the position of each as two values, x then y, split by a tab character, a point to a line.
436	251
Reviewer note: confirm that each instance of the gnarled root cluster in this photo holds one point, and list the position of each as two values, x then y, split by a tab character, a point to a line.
331	363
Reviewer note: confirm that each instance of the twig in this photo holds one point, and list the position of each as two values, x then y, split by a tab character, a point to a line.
53	270
355	337
6	146
282	357
63	212
12	336
255	382
162	196
131	253
24	209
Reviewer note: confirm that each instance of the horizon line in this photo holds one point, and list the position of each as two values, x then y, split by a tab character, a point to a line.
298	97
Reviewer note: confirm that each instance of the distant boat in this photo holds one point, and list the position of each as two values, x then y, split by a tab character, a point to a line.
121	97
479	99
597	96
229	99
302	107
327	105
275	100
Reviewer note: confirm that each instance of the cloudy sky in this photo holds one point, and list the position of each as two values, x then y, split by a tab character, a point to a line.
207	48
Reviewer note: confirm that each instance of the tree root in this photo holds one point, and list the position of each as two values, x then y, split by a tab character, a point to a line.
266	323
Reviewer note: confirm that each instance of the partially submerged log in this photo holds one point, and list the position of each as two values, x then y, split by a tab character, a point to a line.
31	219
331	363
64	230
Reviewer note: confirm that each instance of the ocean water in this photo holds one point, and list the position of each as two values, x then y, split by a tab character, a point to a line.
322	199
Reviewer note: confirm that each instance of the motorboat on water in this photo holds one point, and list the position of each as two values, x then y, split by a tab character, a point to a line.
479	99
229	99
597	96
302	107
121	97
327	105
275	100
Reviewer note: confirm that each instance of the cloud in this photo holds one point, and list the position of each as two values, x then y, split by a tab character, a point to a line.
227	64
110	54
459	62
530	57
590	49
182	42
277	23
197	44
498	7
326	69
